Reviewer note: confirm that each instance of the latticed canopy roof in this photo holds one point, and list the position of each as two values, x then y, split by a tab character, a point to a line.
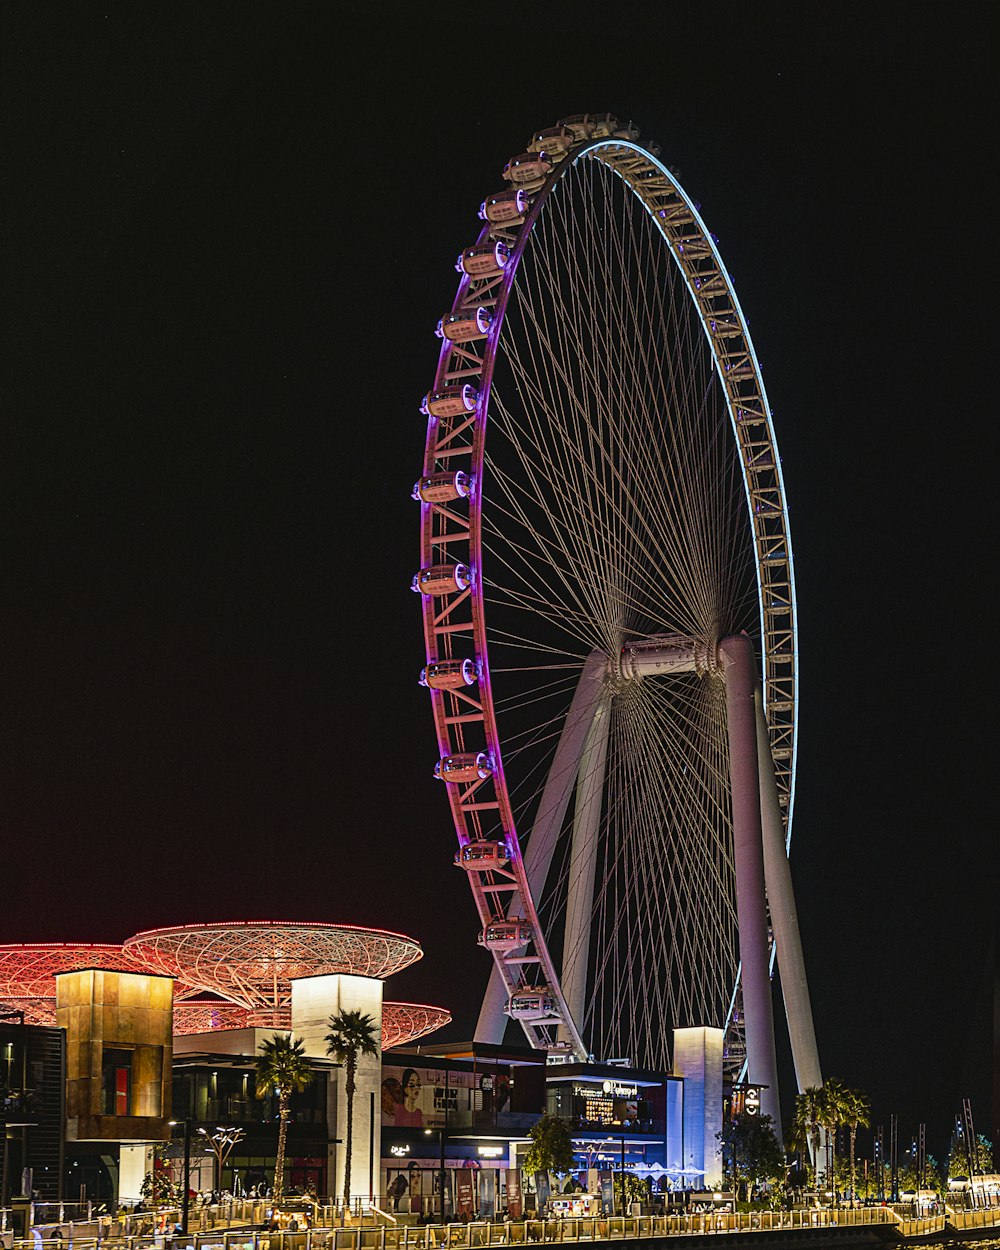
401	1022
252	963
28	971
405	1022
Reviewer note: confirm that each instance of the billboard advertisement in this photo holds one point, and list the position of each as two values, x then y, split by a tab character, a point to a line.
515	1201
607	1192
464	1193
487	1194
543	1191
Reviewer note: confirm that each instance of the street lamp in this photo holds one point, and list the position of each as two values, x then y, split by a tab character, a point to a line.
185	1194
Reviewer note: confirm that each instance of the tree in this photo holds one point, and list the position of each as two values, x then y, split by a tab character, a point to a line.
808	1115
352	1034
910	1178
551	1148
958	1155
857	1114
754	1152
158	1188
282	1068
833	1113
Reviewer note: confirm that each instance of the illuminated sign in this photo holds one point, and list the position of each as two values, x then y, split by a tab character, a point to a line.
614	1090
751	1100
399	1150
491	1152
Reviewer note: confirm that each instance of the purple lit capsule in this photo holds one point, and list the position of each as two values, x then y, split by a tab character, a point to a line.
528	167
505	206
450	401
442	487
505	935
482	856
442	579
483	259
449	674
472	766
465	325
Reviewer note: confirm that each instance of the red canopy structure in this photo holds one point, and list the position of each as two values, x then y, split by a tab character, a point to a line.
28	973
252	963
405	1022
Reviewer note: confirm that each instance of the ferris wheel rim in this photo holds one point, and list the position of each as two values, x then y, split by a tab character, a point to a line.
766	540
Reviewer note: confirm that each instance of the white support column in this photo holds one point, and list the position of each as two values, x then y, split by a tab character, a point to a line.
698	1059
314	1001
736	656
784	917
548	821
583	864
135	1159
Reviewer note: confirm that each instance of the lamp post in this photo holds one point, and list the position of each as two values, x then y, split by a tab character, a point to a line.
186	1172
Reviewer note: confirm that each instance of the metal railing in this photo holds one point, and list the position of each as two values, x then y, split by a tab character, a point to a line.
984	1218
478	1234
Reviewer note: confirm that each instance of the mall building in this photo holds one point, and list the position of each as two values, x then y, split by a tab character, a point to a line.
107	1051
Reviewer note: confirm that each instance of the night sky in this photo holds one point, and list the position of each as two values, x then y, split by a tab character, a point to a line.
230	231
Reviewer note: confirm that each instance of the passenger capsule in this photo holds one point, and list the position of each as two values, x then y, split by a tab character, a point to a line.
528	167
449	674
537	1004
483	259
628	131
442	579
554	139
450	401
505	935
474	766
590	125
482	856
465	325
505	206
442	487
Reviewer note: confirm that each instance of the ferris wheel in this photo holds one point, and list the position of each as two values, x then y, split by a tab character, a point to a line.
609	615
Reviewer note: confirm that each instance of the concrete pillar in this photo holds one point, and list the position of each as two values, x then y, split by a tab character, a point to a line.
134	1161
563	772
737	658
784	917
583	865
314	1001
698	1059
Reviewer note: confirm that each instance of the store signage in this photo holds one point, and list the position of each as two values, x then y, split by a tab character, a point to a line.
491	1152
399	1150
751	1100
614	1090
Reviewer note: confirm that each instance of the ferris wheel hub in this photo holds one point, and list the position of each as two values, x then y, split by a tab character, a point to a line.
662	654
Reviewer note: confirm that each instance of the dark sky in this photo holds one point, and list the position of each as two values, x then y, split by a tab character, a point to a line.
230	232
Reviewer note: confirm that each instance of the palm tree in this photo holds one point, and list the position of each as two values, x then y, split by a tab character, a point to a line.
808	1117
833	1107
352	1034
857	1114
282	1067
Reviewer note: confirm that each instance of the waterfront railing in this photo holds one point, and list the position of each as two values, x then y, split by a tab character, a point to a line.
478	1234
